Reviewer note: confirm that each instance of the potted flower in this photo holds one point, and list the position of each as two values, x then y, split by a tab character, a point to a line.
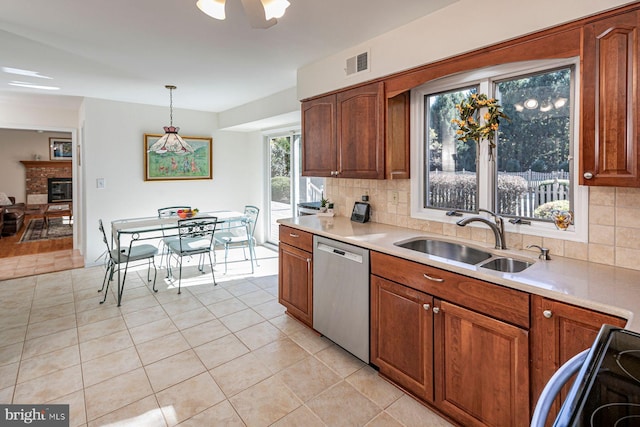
323	203
479	120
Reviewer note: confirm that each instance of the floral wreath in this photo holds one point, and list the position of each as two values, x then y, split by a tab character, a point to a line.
470	127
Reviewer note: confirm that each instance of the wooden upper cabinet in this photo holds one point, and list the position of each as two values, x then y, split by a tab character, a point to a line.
610	153
360	127
356	133
319	153
397	146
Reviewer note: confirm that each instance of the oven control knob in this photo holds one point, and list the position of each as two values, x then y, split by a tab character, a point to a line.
547	314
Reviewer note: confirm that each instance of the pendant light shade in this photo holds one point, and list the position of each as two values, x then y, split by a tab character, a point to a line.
171	142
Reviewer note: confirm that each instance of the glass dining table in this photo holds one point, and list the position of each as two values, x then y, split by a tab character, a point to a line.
154	228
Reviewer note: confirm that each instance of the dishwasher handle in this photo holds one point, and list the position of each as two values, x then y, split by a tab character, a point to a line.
351	256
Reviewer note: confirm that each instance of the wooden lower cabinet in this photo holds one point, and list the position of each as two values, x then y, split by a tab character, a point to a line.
481	368
295	282
472	367
559	331
402	336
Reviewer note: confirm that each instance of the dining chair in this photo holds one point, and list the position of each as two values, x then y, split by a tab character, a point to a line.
135	252
195	237
239	234
170	211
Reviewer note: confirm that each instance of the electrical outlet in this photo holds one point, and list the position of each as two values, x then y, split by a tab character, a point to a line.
394	197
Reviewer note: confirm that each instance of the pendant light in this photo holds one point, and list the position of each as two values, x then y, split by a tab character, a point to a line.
171	142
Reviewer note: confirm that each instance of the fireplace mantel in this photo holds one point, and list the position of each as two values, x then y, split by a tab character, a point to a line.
46	163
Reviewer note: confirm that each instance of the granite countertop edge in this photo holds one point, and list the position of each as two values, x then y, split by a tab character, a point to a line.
600	287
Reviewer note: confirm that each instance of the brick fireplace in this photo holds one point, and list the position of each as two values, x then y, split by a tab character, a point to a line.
38	177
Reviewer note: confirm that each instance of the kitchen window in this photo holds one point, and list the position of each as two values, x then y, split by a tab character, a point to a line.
531	172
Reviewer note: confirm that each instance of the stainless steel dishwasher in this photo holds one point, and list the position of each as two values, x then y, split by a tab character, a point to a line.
341	294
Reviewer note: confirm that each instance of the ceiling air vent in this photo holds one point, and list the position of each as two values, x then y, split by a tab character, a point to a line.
357	64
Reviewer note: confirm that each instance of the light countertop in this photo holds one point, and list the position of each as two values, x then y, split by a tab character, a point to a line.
608	289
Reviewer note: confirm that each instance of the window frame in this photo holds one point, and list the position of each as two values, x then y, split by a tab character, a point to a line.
487	173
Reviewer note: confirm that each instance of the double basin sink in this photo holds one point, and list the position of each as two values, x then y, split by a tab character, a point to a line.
465	254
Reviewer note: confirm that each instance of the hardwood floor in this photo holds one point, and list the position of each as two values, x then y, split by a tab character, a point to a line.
30	258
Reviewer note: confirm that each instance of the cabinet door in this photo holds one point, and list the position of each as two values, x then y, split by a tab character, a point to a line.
481	368
401	336
319	137
360	124
610	152
558	332
397	146
295	282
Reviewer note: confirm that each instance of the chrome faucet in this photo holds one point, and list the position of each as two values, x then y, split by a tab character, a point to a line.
497	226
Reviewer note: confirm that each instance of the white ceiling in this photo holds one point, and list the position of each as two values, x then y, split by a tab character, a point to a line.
127	50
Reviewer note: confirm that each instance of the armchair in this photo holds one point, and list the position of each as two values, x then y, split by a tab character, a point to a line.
12	216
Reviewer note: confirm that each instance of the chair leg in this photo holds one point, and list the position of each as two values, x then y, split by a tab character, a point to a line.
155	273
226	253
106	272
213	274
251	255
106	291
180	277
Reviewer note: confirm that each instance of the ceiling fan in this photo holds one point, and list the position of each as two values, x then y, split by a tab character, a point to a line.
262	14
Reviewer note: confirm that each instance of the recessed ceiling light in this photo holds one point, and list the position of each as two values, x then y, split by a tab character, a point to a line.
21	72
531	103
519	107
32	86
560	102
546	107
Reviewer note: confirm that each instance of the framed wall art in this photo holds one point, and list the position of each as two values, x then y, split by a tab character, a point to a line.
60	149
195	161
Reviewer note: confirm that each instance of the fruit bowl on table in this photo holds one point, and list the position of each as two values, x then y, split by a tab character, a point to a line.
187	213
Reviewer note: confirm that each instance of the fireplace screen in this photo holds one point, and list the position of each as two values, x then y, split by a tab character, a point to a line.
60	190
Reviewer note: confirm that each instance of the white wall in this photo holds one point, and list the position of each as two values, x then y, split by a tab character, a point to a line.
113	150
442	34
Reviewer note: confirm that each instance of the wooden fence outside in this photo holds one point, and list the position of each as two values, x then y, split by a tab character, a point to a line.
537	189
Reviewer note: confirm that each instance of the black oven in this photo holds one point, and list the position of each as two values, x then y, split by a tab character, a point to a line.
606	391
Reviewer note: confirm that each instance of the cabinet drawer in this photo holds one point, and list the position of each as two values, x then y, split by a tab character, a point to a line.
297	238
493	300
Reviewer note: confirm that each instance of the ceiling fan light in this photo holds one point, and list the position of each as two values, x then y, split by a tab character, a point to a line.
213	8
274	8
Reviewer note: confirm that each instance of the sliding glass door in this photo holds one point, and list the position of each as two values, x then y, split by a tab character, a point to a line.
287	187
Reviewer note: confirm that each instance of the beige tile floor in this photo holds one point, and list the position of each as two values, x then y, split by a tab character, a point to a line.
212	356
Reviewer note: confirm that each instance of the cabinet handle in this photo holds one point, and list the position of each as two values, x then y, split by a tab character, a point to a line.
436	310
426	306
295	236
588	175
547	313
433	279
